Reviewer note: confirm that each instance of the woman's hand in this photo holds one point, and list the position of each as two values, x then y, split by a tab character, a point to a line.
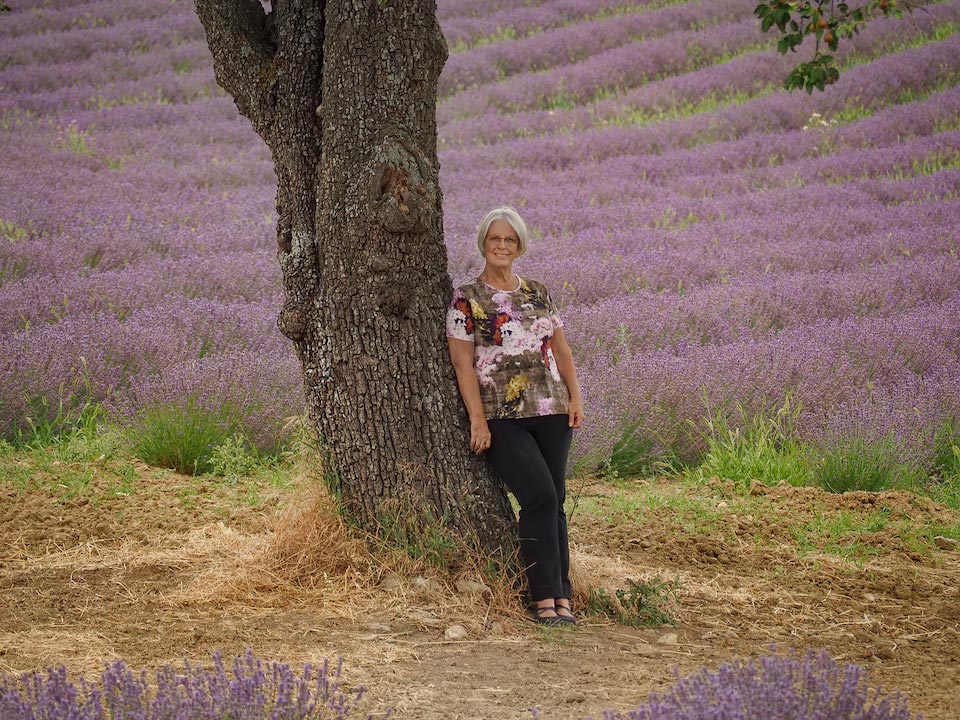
567	370
479	435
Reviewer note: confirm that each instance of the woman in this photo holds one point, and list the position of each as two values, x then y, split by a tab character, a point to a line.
516	375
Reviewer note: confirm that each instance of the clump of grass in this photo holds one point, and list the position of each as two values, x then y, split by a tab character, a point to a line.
764	448
859	463
638	453
237	457
47	421
642	603
422	535
946	449
184	436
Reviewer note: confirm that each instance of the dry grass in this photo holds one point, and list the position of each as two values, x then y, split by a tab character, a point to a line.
311	557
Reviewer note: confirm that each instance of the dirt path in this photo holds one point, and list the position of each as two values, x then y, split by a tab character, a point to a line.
83	581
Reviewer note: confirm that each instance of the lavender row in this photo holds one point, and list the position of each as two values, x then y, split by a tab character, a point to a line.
873	85
651	298
103	68
214	351
752	307
245	688
229	276
464	23
573	43
162	87
660	238
132	36
614	70
883	376
152	203
53	17
749	74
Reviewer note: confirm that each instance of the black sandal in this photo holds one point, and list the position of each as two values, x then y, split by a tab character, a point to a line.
541	619
570	619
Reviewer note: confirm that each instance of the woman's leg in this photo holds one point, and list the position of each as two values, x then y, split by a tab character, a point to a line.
519	463
553	436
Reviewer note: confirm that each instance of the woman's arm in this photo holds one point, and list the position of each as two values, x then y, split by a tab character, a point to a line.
461	354
568	372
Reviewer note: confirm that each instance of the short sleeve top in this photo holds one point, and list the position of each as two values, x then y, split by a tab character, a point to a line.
512	333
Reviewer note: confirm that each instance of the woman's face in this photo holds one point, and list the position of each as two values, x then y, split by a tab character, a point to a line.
501	245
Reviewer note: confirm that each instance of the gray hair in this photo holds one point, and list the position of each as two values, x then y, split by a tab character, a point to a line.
512	217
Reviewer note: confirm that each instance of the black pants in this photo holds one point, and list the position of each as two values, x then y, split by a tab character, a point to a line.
530	456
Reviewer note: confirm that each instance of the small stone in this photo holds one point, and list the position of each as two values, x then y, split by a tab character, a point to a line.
576	696
471	587
884	652
496	628
645	650
668	639
646	544
424	584
425	618
391	581
945	543
723	504
455	632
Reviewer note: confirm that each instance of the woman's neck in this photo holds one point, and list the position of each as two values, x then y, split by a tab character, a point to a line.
501	278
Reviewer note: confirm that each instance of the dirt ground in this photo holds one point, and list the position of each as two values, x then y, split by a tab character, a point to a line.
145	576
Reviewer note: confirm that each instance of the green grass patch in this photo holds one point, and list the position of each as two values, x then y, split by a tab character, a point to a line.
946	449
183	437
635	504
861	535
761	447
858	463
638	453
502	34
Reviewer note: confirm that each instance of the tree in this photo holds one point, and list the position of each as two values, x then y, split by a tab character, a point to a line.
343	92
827	21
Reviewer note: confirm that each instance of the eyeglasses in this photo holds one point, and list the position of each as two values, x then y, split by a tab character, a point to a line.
509	241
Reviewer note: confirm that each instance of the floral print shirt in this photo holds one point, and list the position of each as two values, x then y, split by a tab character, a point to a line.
512	331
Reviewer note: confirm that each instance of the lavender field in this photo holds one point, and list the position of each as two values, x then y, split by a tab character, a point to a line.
716	244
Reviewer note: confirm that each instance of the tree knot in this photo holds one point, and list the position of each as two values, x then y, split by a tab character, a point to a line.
293	320
403	188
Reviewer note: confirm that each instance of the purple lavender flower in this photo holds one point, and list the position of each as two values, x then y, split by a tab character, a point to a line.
249	690
813	687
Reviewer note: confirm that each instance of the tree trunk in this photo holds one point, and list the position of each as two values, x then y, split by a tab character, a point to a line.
344	94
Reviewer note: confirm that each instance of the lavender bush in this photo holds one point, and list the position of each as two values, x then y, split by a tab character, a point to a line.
244	689
813	687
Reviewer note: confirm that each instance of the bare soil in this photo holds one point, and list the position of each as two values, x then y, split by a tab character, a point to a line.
146	577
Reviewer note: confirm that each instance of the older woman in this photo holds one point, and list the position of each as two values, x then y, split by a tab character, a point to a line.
516	375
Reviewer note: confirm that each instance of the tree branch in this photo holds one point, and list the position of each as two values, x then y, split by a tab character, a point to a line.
243	56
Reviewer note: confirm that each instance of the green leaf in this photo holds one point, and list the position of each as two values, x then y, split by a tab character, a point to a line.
782	18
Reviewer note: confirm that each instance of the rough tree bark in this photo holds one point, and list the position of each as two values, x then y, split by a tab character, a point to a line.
343	92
